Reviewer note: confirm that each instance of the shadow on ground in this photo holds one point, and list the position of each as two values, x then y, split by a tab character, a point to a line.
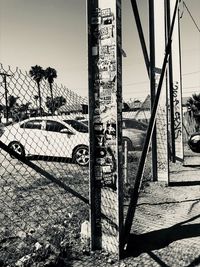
158	239
51	159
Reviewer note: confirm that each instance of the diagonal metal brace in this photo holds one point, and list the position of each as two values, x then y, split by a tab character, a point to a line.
51	178
42	172
140	33
138	181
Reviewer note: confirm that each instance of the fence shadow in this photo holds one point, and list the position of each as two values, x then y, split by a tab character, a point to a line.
51	159
158	239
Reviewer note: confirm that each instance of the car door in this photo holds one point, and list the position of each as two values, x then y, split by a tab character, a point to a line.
59	138
33	137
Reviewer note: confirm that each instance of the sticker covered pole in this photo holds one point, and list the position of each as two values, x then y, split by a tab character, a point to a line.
105	121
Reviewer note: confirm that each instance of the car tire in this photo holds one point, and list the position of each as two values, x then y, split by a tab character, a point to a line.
81	156
18	148
195	149
129	144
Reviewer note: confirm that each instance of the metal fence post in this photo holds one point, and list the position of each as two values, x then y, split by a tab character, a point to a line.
5	75
126	162
152	84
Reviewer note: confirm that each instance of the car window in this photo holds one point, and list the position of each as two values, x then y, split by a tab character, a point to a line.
54	126
78	126
134	124
33	124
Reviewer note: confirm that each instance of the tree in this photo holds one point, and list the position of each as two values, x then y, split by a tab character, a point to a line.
194	103
56	103
36	97
12	101
50	75
13	107
37	73
24	107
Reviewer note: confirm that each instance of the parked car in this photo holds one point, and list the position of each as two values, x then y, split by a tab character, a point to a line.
134	124
194	142
134	133
49	136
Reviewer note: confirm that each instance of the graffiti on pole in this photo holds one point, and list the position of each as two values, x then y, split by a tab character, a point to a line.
161	118
177	112
177	90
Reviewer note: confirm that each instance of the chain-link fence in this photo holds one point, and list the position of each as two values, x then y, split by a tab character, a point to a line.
44	192
135	124
44	169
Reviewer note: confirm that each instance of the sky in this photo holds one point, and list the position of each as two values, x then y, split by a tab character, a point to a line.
53	33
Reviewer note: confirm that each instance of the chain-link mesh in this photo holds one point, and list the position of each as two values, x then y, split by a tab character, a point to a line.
135	124
40	218
161	121
44	193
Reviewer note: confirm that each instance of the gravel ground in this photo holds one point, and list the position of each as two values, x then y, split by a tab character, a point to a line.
40	222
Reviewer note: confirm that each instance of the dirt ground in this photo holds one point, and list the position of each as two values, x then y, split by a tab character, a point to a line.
40	222
165	230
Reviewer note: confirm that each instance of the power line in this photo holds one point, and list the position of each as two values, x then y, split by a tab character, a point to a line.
190	73
191	16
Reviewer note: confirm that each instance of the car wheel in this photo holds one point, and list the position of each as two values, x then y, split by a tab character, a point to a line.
195	149
81	156
129	144
18	148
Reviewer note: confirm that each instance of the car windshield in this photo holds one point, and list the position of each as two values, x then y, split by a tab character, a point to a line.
78	126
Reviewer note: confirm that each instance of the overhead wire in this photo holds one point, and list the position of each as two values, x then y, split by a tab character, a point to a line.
195	23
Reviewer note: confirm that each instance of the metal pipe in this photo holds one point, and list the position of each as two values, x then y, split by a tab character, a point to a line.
171	97
153	86
6	92
126	162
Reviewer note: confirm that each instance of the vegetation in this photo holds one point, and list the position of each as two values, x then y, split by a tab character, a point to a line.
19	111
193	105
37	73
13	107
15	110
50	74
55	104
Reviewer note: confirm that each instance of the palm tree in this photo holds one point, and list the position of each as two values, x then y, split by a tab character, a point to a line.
50	75
58	101
194	104
37	73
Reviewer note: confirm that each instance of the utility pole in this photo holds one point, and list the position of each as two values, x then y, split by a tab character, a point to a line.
5	75
105	125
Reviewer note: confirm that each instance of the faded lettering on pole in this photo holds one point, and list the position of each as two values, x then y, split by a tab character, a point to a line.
177	90
105	109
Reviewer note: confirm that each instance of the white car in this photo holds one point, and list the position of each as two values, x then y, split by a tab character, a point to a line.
49	136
